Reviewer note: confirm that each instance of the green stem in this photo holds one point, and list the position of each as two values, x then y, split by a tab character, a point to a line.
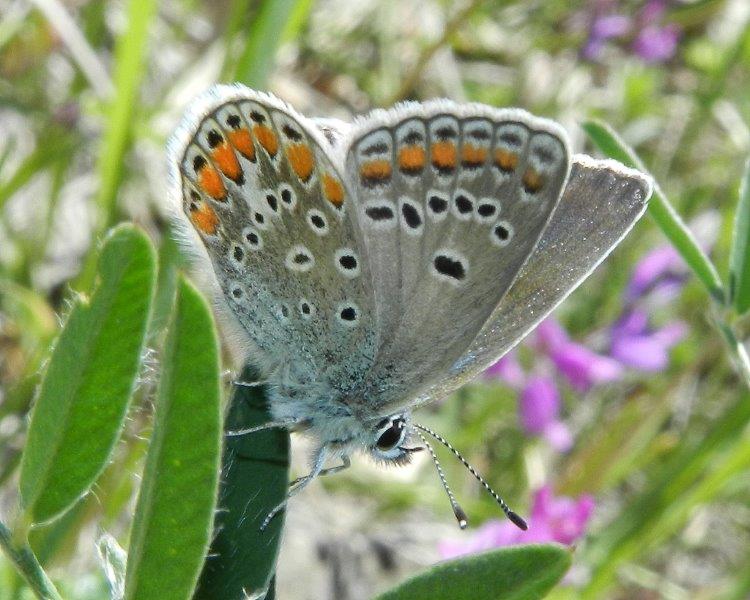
736	349
22	556
682	239
661	210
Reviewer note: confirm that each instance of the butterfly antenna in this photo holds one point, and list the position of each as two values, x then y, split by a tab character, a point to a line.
457	510
512	516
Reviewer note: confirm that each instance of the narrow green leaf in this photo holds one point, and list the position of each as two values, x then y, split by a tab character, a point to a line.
254	479
739	264
90	378
669	498
517	573
660	209
263	40
129	69
174	514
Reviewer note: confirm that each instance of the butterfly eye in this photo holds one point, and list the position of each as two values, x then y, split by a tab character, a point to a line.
392	436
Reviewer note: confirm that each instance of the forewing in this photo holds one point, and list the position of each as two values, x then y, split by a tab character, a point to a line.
600	204
451	202
260	188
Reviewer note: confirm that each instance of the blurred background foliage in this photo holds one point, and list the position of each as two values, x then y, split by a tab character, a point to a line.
643	465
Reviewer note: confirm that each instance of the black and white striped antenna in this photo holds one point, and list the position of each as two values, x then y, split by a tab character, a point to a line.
457	510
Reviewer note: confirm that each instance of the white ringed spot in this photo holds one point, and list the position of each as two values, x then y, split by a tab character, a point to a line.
346	262
299	259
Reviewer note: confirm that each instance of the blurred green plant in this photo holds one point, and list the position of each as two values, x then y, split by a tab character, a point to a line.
685	243
669	449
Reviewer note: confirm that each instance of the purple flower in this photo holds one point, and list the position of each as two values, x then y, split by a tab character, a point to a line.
660	273
509	370
657	44
563	520
604	27
652	11
610	26
650	39
635	345
539	412
582	367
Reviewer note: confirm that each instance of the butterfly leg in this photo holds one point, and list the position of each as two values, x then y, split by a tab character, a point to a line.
302	483
249	384
271	425
345	464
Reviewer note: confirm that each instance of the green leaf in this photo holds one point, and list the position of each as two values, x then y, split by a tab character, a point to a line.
175	509
517	573
170	261
255	478
660	209
739	264
90	378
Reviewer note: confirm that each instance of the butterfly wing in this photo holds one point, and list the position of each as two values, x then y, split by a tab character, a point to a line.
263	196
601	202
452	200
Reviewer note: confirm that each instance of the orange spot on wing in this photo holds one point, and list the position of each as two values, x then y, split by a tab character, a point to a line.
376	170
532	181
507	161
225	159
211	183
444	155
411	158
267	139
301	159
243	141
333	190
204	218
473	155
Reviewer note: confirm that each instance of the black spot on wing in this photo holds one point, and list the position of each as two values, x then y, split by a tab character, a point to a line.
437	204
379	213
292	133
377	148
411	215
446	265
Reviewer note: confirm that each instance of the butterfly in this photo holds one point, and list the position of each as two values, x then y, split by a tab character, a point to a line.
371	267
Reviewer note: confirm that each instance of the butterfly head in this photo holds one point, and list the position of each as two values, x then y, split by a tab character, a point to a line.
389	438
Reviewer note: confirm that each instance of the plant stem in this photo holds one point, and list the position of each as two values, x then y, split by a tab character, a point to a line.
661	210
22	556
737	350
682	240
